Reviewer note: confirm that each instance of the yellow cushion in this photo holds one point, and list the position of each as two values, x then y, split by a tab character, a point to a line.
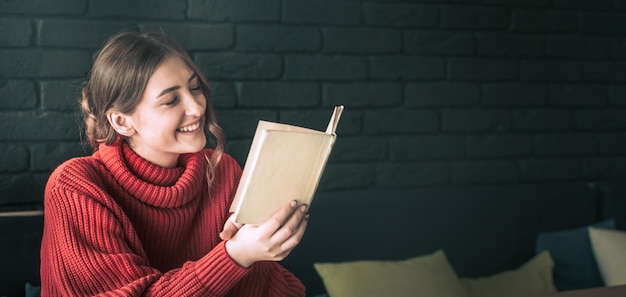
429	276
531	279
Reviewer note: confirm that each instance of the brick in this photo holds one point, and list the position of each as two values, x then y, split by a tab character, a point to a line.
619	5
15	32
321	12
617	47
60	95
583	4
617	95
359	149
223	94
362	40
484	171
272	38
278	94
602	71
47	156
44	63
602	22
87	34
499	145
601	167
412	174
22	188
407	67
565	144
44	7
154	9
476	120
241	123
483	69
38	126
441	94
520	3
196	37
600	119
377	122
403	15
578	95
325	67
510	45
239	66
13	158
472	17
549	70
577	46
514	94
543	21
234	10
611	143
424	147
347	176
17	94
551	169
450	43
362	94
543	119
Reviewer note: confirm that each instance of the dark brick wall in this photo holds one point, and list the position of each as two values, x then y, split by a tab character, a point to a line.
436	92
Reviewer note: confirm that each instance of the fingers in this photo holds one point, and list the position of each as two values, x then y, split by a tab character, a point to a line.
291	226
292	241
279	218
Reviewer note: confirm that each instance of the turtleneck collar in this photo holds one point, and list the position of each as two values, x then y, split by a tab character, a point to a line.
150	183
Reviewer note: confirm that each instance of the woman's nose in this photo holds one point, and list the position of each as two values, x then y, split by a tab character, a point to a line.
194	106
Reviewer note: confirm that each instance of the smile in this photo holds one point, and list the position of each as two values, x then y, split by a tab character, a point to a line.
189	128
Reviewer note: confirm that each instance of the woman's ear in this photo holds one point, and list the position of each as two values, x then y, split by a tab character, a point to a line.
121	123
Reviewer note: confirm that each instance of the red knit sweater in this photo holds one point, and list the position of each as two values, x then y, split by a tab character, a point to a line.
117	225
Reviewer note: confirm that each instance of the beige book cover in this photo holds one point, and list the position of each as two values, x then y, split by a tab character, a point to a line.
285	163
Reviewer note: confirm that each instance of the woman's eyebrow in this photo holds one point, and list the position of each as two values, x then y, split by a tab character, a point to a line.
174	88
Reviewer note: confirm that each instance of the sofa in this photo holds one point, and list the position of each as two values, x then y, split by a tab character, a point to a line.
481	234
483	231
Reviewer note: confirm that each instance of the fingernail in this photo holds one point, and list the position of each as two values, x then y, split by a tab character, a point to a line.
293	203
303	208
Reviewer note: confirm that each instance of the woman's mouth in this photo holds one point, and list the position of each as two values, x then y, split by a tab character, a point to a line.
189	128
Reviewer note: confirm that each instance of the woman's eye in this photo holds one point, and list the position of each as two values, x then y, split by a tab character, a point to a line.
173	101
196	88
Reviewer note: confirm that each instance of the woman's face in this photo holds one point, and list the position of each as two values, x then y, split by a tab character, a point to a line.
169	119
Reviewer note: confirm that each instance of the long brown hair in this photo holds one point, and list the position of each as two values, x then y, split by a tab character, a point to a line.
119	77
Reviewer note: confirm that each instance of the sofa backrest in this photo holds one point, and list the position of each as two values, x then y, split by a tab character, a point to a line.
482	229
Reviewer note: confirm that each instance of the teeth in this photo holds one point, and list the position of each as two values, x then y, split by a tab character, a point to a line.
190	128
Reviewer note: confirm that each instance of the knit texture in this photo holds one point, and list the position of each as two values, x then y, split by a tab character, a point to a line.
118	225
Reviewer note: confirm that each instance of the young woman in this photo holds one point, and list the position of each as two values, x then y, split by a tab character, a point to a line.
147	213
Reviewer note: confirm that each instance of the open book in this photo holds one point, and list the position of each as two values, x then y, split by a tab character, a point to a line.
285	163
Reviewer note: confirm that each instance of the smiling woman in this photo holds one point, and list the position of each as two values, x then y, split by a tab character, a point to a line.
147	213
166	122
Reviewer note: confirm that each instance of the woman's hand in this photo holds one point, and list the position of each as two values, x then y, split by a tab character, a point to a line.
271	241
